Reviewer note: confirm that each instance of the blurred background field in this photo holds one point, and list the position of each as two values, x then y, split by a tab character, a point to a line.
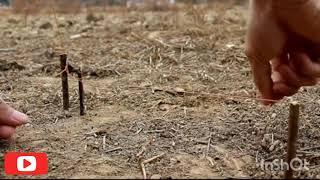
75	6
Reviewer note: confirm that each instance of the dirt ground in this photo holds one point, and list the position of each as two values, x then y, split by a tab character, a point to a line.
169	83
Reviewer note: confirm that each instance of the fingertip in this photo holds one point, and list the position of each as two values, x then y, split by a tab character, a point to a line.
11	117
269	101
6	132
262	77
19	117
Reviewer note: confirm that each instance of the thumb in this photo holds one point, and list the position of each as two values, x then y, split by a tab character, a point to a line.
10	116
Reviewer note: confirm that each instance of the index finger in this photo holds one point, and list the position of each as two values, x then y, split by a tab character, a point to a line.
261	70
10	116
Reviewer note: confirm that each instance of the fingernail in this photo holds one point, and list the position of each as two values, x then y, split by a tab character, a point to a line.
18	116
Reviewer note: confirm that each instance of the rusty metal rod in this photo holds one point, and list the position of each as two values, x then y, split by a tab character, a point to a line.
81	94
292	137
64	80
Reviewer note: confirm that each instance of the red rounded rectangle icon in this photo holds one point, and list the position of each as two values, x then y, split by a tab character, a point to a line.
25	163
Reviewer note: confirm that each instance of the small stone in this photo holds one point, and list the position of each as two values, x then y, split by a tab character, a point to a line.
61	25
49	53
274	145
13	21
266	141
86	28
179	90
173	143
46	25
230	45
70	23
28	125
92	18
164	107
156	176
173	161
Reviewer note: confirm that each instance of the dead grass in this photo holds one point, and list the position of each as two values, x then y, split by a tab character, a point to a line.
43	6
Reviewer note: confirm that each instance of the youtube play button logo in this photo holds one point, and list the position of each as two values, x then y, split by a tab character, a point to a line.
26	163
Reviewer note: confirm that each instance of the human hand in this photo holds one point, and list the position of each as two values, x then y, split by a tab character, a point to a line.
282	45
9	120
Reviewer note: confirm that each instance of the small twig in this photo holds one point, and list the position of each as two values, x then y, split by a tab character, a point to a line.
200	141
64	80
273	145
26	11
239	148
117	72
210	160
208	145
144	148
114	149
104	142
174	130
292	136
308	153
141	152
153	158
257	156
167	112
142	164
143	169
139	130
7	50
310	148
178	47
156	131
314	167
